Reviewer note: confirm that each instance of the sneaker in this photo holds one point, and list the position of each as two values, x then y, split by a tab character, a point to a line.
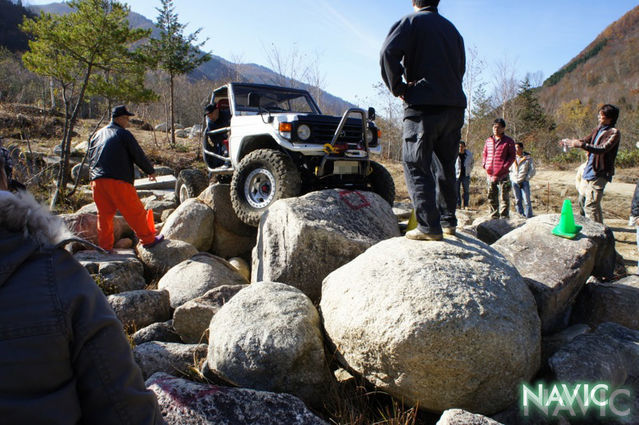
418	235
450	230
156	241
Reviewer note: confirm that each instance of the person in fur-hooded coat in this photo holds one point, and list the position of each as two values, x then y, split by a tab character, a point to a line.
64	358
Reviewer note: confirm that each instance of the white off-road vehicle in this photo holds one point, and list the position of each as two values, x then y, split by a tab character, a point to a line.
275	143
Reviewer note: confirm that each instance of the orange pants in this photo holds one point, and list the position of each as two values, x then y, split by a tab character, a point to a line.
111	195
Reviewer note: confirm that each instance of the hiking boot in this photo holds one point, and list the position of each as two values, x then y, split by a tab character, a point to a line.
450	230
418	235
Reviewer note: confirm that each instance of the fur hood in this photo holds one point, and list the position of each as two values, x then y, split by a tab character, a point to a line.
21	213
26	227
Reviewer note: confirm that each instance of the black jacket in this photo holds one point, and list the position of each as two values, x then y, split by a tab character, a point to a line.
112	153
64	357
433	57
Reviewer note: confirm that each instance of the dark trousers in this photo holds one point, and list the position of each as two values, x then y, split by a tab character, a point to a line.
429	152
463	183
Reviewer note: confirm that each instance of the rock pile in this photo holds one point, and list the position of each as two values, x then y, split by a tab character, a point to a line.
454	327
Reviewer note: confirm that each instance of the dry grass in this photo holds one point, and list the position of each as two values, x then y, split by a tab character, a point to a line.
352	402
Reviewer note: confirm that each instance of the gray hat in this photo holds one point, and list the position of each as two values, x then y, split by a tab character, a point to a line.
119	111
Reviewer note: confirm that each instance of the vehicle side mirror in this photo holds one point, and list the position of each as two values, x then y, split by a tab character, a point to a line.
254	100
371	113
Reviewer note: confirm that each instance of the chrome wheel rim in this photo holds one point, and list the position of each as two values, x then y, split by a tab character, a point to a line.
259	188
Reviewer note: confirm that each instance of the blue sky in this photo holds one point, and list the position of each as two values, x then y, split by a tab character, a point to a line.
346	35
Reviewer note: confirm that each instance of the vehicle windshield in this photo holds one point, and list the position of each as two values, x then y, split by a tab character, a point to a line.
255	99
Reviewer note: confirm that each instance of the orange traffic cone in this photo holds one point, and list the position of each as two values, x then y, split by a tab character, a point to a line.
566	227
150	221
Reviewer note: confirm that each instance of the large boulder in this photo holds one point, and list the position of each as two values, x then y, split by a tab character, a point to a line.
609	354
163	256
191	320
90	208
85	226
169	357
192	278
138	309
159	331
191	222
489	230
80	172
268	337
601	302
437	324
231	236
301	240
462	417
550	344
556	268
158	205
114	273
183	402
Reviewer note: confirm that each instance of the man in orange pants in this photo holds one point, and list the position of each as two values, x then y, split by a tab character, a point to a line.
112	152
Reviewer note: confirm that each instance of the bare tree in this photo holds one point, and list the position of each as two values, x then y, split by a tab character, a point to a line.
237	60
315	78
505	84
291	68
390	121
474	67
536	79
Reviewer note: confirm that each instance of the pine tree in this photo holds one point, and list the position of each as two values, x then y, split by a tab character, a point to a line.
174	52
530	118
77	50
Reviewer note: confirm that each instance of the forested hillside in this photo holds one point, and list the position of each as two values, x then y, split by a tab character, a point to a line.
606	71
11	16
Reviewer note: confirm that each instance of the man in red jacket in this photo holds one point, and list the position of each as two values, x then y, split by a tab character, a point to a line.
498	155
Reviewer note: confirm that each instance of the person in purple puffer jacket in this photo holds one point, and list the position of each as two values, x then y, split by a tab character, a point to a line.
497	157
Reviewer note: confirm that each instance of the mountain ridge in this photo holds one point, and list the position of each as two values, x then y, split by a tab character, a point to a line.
220	69
605	71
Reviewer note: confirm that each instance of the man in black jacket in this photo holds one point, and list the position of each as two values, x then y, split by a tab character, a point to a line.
423	62
112	152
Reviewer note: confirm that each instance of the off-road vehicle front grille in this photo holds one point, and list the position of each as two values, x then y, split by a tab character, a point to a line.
323	128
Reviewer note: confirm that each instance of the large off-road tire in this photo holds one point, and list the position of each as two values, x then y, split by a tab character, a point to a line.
261	178
380	181
189	184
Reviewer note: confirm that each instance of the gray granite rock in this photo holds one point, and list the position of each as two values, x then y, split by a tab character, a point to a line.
183	402
169	357
138	309
441	325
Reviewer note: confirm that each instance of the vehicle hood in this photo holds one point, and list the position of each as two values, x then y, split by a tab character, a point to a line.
25	227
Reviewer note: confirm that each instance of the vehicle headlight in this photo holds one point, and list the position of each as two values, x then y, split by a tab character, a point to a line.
370	135
304	132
